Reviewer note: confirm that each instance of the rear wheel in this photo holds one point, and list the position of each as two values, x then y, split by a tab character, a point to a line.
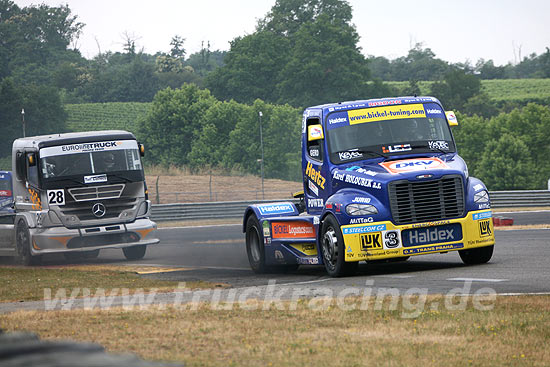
23	246
135	252
479	255
333	249
255	245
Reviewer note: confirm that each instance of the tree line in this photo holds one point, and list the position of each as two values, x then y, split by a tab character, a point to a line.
205	110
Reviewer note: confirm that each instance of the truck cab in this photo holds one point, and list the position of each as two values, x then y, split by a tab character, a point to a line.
382	180
78	193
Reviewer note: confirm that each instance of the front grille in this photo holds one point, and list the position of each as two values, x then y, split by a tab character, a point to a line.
83	210
96	192
426	201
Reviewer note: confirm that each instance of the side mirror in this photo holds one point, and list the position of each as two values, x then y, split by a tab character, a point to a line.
31	158
315	132
141	149
451	117
20	166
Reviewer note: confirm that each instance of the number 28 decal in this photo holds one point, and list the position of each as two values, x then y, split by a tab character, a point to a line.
56	197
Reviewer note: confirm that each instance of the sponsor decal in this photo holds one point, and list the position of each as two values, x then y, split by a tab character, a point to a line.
346	156
420	177
337	120
385	103
392	239
430	235
361	220
314	152
313	188
315	203
396	148
315	175
265	226
371	241
451	117
421	250
361	200
357	180
430	224
5	193
361	170
364	229
386	113
307	249
266	209
484	206
279	256
95	179
434	111
316	132
485	228
438	145
294	229
88	147
414	164
482	215
307	261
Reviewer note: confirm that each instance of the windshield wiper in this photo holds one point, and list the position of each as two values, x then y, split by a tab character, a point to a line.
119	176
57	179
433	149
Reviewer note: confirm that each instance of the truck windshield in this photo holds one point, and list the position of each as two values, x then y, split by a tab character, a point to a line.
83	159
383	131
5	187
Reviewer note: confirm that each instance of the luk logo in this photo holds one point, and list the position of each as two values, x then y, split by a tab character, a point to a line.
396	148
417	164
371	241
485	228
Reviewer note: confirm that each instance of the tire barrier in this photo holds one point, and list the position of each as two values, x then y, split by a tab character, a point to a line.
235	209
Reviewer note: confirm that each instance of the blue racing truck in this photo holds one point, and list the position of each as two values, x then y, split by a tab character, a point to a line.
382	181
6	195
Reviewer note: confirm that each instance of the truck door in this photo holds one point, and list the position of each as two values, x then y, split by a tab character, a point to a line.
314	182
7	233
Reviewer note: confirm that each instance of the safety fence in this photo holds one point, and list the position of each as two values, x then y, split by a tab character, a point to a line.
235	209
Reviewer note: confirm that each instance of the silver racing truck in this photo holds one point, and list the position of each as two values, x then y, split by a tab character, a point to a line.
77	193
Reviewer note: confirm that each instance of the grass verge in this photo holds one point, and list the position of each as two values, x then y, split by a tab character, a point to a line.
28	283
515	332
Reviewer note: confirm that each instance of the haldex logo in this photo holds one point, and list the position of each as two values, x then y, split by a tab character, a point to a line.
337	120
431	235
276	209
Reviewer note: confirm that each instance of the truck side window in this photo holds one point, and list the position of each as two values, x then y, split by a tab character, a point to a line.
315	147
32	174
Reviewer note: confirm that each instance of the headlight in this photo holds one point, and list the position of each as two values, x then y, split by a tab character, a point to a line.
143	209
481	197
361	209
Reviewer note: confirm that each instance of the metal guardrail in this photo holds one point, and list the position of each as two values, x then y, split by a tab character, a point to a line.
235	209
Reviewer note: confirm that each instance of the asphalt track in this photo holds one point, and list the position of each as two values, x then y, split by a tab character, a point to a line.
217	253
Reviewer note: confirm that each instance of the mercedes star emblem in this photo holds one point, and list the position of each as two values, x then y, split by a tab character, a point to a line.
99	210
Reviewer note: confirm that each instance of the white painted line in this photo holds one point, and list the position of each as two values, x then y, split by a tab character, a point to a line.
524	294
478	280
394	276
524	211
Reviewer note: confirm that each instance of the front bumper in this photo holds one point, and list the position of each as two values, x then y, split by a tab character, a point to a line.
384	240
61	239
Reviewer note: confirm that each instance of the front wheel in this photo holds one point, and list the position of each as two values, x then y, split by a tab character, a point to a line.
255	245
134	252
479	255
333	249
23	246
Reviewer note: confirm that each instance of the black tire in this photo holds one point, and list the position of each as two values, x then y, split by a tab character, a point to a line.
23	246
90	254
479	255
333	249
255	245
72	256
134	252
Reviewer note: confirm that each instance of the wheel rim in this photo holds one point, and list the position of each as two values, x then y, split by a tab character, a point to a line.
254	241
330	247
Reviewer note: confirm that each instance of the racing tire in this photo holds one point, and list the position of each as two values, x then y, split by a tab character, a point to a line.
475	256
255	245
90	254
23	246
134	252
333	249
